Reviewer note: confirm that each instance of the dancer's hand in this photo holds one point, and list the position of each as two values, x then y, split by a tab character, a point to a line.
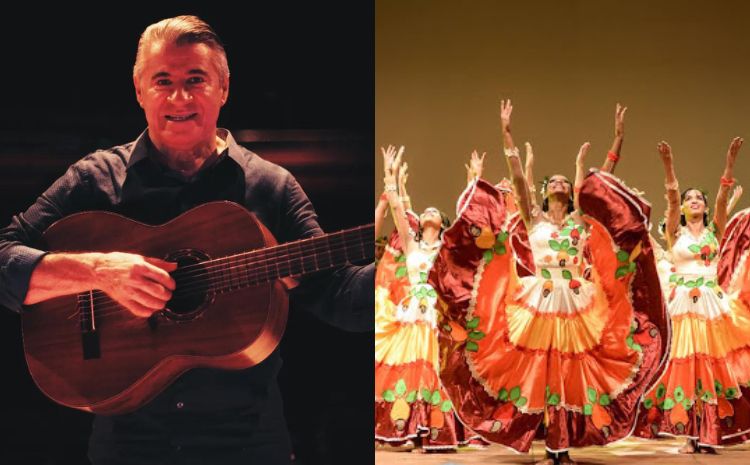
665	151
734	150
581	157
620	120
734	198
391	162
475	167
403	175
529	157
506	108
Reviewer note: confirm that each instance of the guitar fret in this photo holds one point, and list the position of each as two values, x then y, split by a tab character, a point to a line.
248	281
232	275
226	283
286	265
269	267
328	249
290	261
315	260
226	275
301	259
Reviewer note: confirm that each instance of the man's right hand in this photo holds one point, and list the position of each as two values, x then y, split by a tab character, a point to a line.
141	284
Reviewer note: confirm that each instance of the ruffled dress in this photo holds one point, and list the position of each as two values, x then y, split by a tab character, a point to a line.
553	353
409	399
703	394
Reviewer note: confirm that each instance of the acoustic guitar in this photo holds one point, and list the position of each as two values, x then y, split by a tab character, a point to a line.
228	310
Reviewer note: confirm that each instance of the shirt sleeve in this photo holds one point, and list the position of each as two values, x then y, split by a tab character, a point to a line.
344	297
21	241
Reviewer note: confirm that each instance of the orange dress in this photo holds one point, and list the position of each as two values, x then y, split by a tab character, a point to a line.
556	352
409	399
703	392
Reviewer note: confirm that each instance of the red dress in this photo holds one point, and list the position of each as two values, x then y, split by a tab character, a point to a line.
553	351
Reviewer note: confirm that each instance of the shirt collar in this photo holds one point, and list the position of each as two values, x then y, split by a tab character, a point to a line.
142	143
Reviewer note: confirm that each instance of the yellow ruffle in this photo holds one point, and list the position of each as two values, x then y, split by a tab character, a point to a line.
716	337
398	343
574	333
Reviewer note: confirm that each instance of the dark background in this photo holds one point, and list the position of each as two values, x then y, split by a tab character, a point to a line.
301	95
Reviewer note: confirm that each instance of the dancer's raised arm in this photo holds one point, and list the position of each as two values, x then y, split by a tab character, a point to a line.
614	153
391	165
514	163
580	172
381	210
672	195
720	210
530	175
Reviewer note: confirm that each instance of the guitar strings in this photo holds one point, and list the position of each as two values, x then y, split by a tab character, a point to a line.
263	257
261	271
257	262
281	248
103	303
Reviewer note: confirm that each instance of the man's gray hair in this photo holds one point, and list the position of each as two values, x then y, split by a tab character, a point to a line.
182	30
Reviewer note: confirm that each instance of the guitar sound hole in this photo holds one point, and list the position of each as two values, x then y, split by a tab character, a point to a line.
193	291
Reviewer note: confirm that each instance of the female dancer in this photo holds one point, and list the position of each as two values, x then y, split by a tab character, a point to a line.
411	407
702	395
553	349
663	257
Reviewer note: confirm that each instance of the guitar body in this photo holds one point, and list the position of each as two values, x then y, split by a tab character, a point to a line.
123	361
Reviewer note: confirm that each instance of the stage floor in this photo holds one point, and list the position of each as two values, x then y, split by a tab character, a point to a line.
626	452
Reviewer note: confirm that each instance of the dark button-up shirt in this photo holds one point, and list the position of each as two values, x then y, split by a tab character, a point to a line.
128	180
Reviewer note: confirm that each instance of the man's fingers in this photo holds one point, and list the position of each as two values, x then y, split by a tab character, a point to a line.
163	264
155	273
156	290
147	301
138	309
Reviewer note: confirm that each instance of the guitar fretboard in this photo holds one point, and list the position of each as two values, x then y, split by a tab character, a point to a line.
292	259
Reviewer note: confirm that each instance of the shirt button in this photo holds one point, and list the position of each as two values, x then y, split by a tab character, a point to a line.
180	404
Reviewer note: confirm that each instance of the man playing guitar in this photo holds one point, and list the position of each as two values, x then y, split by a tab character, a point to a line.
181	161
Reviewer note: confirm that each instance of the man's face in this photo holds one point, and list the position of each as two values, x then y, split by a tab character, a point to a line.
181	93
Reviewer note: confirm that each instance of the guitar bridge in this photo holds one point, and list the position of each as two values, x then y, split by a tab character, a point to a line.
89	335
90	344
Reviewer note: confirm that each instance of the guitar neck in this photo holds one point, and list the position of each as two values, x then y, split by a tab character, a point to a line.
292	259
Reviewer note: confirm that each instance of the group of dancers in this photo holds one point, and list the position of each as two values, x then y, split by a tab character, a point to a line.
564	320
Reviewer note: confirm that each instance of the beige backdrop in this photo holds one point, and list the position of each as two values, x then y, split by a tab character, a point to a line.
681	67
